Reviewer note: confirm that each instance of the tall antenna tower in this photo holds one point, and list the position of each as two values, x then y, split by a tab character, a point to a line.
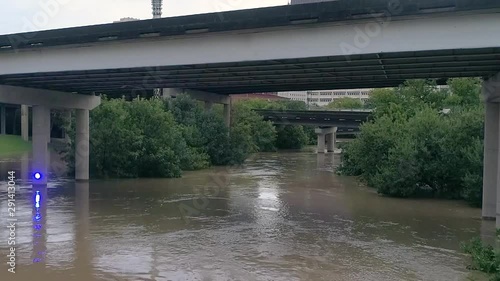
157	5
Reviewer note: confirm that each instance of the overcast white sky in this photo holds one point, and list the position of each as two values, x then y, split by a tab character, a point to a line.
31	15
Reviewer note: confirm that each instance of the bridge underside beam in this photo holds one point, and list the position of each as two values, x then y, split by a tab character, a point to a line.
197	95
48	98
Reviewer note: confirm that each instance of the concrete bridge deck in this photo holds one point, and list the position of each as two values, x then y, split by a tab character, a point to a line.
330	45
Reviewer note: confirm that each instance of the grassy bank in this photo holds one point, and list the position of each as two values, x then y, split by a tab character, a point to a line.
13	145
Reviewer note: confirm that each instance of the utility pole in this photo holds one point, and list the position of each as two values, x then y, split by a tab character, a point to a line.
157	6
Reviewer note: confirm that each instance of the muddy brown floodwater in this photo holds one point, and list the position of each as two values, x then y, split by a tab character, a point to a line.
281	216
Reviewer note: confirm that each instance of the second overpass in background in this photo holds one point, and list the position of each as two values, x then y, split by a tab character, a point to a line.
329	123
338	118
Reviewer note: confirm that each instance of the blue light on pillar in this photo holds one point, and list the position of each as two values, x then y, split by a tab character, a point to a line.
37	176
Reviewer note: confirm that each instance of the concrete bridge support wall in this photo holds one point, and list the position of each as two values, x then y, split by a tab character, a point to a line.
331	140
82	152
25	122
321	143
491	171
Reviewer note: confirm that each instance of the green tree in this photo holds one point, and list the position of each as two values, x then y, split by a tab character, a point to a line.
267	137
291	137
151	138
410	149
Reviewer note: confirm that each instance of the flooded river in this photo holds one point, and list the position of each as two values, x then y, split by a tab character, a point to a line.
281	216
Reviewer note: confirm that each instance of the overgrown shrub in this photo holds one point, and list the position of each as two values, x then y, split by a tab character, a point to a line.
411	148
153	138
484	258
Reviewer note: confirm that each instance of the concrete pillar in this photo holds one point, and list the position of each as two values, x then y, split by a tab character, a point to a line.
67	124
331	139
321	143
208	105
41	136
25	122
82	152
491	138
227	114
2	119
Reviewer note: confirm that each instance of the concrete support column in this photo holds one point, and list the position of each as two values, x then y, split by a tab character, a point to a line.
41	136
67	124
82	151
25	122
491	141
2	119
208	105
322	134
321	143
331	140
227	114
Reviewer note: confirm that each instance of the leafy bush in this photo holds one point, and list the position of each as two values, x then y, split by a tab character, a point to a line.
484	258
153	138
266	136
411	149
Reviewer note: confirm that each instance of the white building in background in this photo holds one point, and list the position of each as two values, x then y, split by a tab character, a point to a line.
323	98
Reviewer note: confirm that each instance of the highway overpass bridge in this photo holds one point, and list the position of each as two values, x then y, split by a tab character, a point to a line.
332	118
331	45
329	123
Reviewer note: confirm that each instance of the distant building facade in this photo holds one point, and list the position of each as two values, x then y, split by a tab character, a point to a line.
262	96
324	97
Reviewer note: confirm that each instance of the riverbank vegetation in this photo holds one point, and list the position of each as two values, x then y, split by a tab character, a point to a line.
484	257
12	145
422	141
156	138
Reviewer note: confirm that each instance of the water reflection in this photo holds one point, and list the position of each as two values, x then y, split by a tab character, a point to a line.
39	219
281	216
83	247
25	167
